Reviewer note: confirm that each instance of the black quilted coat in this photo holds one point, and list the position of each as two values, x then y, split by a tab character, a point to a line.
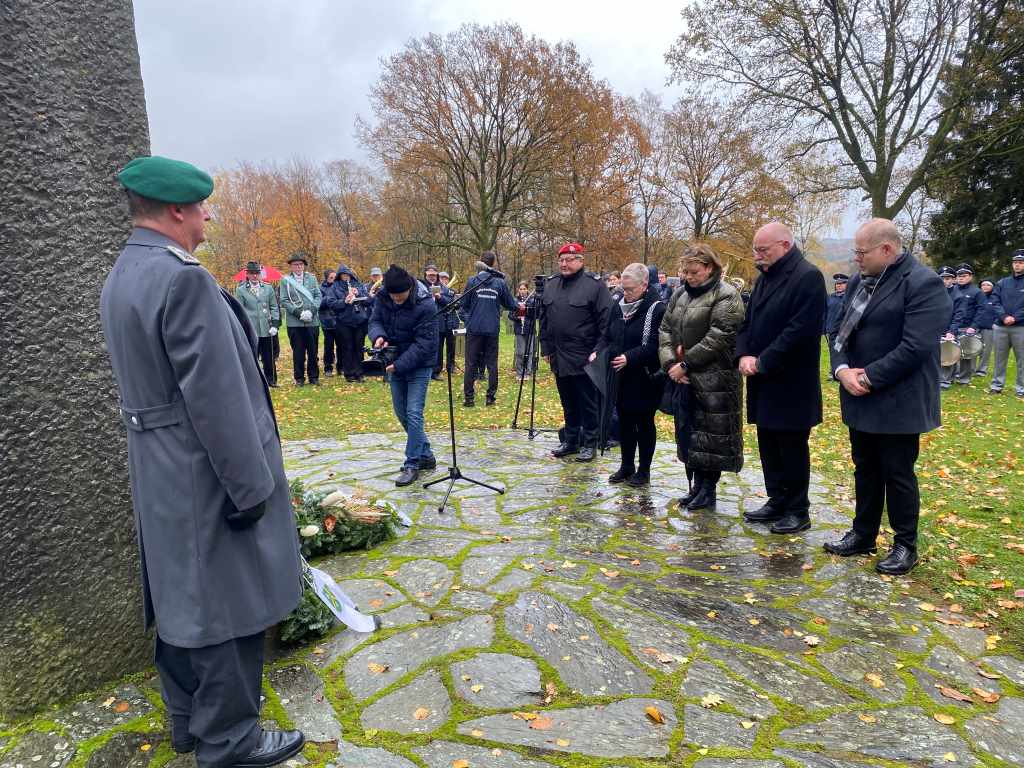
704	321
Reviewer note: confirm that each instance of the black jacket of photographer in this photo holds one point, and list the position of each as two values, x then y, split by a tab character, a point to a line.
574	317
409	327
640	383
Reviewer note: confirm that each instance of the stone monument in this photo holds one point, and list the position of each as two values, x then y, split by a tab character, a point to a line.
72	111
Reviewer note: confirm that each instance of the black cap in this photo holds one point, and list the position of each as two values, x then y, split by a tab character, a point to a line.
1018	255
839	277
946	272
964	269
428	268
253	266
397	280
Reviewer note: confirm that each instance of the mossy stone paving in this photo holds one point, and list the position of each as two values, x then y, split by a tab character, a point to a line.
572	623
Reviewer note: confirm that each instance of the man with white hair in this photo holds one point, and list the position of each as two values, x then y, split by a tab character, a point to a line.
779	352
886	358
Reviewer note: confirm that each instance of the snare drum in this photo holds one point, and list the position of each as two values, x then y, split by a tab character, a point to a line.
971	346
949	352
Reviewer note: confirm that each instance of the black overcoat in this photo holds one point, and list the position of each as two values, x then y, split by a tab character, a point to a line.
782	329
573	321
896	342
639	387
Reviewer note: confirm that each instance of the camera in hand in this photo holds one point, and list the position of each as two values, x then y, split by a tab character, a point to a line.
538	284
385	355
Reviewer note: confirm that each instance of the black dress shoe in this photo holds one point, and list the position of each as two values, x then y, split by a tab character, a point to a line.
430	463
468	404
639	479
407	476
851	544
565	449
490	402
587	453
900	560
274	747
435	377
791	522
621	475
766	513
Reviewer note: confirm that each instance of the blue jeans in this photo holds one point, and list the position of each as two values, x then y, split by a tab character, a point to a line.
408	397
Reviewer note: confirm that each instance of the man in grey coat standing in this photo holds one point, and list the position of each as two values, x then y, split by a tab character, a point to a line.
216	531
886	358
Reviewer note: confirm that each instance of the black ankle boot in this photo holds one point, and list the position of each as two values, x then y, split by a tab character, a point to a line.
707	498
693	478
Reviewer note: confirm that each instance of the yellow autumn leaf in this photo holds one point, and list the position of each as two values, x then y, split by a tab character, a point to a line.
943	718
654	714
422	713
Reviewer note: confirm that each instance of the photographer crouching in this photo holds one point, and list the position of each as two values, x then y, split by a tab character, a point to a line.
403	328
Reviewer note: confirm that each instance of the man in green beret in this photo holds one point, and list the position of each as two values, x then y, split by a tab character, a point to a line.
216	531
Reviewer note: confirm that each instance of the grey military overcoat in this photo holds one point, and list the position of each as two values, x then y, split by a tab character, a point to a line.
201	438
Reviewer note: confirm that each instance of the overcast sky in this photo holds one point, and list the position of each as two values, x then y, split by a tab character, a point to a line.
230	81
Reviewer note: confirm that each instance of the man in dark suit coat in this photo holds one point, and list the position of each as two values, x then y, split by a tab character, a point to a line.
779	353
219	550
886	357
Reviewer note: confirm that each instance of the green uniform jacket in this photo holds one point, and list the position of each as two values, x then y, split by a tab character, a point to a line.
261	307
706	326
293	302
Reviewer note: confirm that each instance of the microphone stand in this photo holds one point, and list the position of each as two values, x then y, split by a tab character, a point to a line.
454	473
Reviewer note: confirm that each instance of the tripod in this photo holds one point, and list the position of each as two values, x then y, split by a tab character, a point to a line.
530	358
454	473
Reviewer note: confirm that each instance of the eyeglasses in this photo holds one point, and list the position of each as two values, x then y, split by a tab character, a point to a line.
761	250
567	259
862	252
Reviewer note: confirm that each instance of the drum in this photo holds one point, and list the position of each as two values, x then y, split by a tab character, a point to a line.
949	352
971	346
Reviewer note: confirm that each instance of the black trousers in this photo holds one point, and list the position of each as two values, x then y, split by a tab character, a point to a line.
265	349
579	407
786	464
481	351
304	343
637	430
445	343
883	475
215	692
332	345
350	350
277	344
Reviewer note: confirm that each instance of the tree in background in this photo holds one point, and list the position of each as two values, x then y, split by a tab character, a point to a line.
980	175
859	78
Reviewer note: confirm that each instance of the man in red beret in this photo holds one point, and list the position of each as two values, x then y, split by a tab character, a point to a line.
576	307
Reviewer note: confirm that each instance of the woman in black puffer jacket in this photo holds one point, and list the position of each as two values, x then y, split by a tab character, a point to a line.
703	317
632	338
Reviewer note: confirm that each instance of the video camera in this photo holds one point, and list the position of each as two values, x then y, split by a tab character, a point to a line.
385	355
538	284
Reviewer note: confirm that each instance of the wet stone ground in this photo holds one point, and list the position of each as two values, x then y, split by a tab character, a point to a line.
571	623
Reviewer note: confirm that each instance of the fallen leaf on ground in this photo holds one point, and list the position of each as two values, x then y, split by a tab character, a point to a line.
812	640
711	700
527	716
121	706
926	607
954	694
460	763
654	714
552	627
747	724
421	714
989	697
476	688
377	668
943	718
541	723
865	718
874	680
562	742
949	757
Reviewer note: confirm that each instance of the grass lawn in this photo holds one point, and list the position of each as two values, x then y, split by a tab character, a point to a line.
971	470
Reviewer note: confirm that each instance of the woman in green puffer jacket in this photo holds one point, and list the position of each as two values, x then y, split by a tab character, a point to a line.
697	344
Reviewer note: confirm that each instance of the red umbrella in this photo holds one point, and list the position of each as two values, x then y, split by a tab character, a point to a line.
268	273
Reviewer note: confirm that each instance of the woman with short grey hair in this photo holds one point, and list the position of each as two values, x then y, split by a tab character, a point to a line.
632	338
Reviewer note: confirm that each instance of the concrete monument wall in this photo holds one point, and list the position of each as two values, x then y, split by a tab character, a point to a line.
72	111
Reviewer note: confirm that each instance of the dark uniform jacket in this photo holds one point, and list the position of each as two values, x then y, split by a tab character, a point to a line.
956	311
782	329
971	296
574	316
483	306
202	443
896	342
410	327
833	313
1009	299
986	316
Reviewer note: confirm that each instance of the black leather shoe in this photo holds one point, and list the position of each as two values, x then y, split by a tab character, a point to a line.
851	544
791	522
274	747
621	475
430	463
900	560
692	493
565	449
587	453
468	404
706	498
490	402
639	479
407	476
766	513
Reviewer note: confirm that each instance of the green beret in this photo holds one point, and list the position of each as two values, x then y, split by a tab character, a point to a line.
166	180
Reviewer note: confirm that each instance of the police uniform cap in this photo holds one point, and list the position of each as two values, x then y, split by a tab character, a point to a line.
166	180
944	271
1018	255
964	269
839	277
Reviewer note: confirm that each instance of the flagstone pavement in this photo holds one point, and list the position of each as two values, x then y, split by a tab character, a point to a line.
568	622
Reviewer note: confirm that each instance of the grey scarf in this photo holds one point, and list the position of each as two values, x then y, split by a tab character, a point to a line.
629	308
